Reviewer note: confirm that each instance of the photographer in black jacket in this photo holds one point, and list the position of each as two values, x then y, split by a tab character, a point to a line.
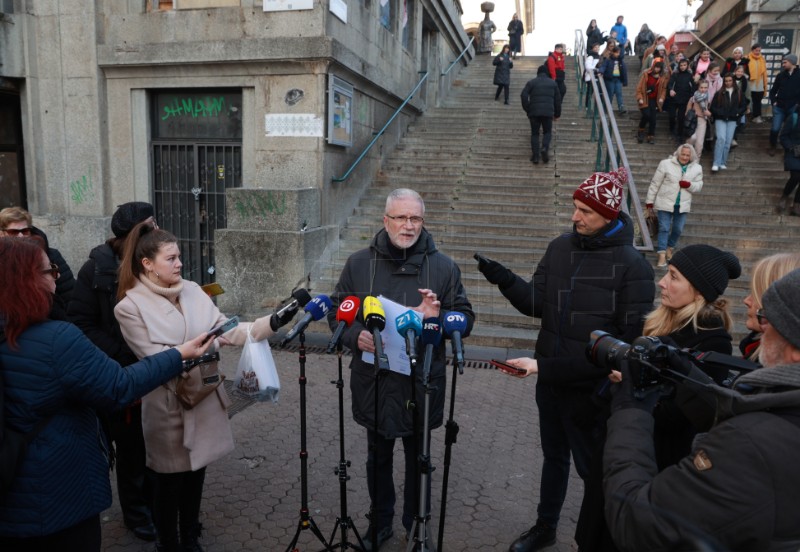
737	490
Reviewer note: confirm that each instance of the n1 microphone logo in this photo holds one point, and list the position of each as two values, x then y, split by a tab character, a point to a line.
347	305
321	304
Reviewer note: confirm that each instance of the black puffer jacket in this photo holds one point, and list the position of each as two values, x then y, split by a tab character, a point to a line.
541	97
682	84
502	69
582	284
374	271
674	432
728	107
93	302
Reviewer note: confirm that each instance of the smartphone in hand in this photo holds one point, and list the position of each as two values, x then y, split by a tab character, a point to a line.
226	326
507	368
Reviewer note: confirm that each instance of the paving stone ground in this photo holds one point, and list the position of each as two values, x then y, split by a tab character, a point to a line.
252	496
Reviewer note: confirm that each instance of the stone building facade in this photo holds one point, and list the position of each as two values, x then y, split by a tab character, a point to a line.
233	117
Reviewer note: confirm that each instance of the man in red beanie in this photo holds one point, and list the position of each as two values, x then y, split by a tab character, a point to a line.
591	278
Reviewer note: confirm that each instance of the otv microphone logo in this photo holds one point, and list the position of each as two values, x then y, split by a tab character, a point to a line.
347	305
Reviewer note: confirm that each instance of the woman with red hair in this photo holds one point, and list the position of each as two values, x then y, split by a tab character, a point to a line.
54	379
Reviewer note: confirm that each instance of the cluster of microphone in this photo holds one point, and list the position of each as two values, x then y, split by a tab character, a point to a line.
427	332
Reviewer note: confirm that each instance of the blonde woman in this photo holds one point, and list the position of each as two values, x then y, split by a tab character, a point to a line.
767	270
692	315
157	308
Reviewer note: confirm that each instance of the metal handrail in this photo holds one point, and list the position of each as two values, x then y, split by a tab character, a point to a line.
381	131
397	111
464	51
609	126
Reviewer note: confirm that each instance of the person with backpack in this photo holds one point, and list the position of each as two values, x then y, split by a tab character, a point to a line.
643	41
556	68
54	379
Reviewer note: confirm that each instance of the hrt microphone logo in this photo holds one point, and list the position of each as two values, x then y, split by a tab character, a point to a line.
431	326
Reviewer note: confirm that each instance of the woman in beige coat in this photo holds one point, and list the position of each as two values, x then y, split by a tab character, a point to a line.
670	193
157	310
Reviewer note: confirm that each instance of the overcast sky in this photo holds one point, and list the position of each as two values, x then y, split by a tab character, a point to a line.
556	21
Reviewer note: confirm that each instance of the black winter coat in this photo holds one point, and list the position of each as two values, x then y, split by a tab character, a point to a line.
785	89
541	97
683	84
582	284
595	36
502	69
373	271
674	432
93	302
728	107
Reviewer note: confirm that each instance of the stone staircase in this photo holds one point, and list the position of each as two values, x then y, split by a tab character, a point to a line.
469	159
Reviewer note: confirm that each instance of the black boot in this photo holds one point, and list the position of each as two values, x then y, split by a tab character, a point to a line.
190	538
175	547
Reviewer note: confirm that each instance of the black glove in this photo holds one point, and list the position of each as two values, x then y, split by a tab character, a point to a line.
494	272
283	316
623	397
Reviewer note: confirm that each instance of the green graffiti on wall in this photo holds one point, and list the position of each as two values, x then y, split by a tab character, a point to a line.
82	189
261	205
194	107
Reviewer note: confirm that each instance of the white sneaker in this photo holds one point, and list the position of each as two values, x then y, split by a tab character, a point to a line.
721	167
758	120
734	143
714	168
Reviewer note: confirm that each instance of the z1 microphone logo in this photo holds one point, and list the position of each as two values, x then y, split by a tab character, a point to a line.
347	305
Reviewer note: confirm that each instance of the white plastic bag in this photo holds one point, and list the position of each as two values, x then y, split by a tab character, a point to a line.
256	375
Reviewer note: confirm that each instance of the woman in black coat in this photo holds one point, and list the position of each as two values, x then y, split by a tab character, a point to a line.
502	72
515	32
92	310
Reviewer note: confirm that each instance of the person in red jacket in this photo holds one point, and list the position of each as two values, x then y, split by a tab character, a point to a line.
555	66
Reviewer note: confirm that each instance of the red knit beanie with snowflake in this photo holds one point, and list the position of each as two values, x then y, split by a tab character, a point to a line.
602	192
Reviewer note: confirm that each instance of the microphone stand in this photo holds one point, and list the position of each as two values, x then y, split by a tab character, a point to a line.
450	434
344	521
381	363
419	530
306	521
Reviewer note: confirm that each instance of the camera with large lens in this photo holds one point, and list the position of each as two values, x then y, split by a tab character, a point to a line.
652	362
646	357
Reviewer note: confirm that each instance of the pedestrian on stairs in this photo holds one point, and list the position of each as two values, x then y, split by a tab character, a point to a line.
757	69
556	67
541	100
700	103
615	75
502	72
727	107
790	140
670	195
650	94
784	96
681	88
